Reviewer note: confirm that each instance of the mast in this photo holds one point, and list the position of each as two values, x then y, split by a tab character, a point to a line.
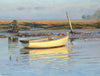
69	22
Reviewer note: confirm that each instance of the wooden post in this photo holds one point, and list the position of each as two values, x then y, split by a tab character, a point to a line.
69	22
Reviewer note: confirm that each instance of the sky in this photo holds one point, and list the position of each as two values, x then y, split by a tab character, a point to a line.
46	9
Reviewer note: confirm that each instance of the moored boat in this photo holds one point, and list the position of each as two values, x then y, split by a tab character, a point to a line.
45	42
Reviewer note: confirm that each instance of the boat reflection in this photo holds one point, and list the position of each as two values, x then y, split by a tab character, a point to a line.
39	58
51	54
71	45
58	50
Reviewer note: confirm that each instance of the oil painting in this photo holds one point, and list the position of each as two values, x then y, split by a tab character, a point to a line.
49	37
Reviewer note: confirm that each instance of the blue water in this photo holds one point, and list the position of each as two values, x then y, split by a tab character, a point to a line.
79	58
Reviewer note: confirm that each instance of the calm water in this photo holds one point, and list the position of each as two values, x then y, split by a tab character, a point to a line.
78	58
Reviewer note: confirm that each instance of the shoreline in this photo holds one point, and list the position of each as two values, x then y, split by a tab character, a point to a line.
55	31
62	31
80	33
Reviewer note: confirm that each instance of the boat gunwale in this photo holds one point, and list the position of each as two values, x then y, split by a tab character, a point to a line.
50	39
27	41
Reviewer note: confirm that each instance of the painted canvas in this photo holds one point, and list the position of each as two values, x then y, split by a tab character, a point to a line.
49	37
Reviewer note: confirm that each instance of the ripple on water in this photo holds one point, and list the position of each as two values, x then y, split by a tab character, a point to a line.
81	58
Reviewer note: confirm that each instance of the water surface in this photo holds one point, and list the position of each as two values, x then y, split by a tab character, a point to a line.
78	58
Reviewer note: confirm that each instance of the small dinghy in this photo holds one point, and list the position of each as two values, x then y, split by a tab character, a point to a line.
46	42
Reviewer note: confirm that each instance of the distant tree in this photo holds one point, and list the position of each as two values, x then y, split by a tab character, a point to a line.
83	17
98	16
15	22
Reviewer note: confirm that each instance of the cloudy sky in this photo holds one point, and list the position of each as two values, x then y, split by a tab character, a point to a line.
46	9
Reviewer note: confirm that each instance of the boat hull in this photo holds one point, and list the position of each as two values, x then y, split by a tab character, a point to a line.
46	44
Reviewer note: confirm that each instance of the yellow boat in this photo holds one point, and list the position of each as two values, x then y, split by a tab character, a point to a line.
45	42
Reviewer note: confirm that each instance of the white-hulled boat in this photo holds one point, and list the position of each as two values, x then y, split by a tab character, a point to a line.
45	42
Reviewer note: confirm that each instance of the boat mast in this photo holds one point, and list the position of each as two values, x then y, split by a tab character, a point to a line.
69	22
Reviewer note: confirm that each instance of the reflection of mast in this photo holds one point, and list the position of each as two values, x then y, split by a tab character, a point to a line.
70	51
71	45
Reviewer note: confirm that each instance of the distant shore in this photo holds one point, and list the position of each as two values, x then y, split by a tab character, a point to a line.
53	24
50	21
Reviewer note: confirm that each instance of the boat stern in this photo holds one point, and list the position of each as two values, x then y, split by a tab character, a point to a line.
25	43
